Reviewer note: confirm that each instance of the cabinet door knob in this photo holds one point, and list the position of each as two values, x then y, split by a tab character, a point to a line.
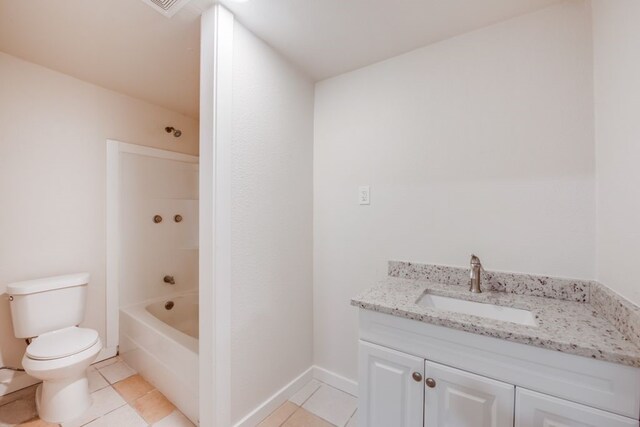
431	383
417	376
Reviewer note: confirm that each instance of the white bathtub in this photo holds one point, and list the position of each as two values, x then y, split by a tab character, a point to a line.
159	339
180	312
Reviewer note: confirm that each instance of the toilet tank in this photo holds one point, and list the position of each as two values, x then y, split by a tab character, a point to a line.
48	304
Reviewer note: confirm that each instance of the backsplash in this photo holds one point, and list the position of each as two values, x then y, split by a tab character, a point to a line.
623	314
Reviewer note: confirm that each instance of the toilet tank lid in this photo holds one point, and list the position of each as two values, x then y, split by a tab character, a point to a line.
48	284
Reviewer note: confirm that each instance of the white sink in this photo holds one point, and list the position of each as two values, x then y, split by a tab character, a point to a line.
490	311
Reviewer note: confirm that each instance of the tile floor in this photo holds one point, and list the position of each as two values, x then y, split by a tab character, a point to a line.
121	398
315	405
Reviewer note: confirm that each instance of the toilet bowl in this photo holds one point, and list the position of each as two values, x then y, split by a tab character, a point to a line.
60	359
47	312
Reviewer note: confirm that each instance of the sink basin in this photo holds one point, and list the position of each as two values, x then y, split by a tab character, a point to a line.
490	311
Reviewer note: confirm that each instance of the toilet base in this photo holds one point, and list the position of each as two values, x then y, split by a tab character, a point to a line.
63	401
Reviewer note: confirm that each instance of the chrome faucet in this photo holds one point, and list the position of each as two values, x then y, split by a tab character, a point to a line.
170	280
476	269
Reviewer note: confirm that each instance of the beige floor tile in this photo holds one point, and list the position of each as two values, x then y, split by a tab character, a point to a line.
305	392
353	422
107	362
116	372
125	416
96	381
176	419
153	406
38	423
133	387
280	415
100	422
104	401
332	405
29	392
18	411
302	418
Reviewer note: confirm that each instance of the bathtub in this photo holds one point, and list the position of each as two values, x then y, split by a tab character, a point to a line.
180	312
159	339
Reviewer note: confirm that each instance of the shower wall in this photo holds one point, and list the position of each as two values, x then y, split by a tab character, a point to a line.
151	186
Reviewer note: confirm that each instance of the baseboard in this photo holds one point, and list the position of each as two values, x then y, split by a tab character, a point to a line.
11	381
335	380
272	403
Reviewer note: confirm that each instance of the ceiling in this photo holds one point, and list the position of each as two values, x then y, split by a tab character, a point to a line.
329	37
122	45
126	46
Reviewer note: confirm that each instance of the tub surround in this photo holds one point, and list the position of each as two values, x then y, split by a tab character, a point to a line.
574	316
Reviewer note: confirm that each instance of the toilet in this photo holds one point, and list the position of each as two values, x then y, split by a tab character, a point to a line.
47	312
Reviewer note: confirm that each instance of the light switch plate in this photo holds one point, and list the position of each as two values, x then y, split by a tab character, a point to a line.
364	195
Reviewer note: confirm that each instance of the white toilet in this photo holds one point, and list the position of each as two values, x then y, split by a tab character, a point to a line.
47	312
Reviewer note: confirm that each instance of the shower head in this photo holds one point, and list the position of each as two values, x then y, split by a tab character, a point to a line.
176	132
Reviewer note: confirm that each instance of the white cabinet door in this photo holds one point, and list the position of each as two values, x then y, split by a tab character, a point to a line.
390	396
539	410
455	398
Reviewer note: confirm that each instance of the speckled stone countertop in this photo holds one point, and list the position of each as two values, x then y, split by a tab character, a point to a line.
567	326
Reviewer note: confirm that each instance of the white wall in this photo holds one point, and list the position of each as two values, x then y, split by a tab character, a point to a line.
616	38
53	177
271	223
481	143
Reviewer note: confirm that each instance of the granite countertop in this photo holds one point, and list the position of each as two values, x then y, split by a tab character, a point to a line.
566	326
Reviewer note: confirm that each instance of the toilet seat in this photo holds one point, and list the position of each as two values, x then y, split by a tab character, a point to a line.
62	343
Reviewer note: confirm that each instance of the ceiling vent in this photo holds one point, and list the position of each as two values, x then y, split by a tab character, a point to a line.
167	7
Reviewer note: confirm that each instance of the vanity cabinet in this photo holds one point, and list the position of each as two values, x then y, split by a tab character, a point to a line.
413	374
407	391
539	410
455	398
393	387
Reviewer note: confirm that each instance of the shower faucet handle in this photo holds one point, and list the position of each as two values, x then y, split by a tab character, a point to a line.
169	279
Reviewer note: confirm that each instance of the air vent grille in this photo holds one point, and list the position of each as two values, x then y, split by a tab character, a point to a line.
166	7
164	4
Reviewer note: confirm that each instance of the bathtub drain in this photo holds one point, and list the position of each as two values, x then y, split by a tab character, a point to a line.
169	305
